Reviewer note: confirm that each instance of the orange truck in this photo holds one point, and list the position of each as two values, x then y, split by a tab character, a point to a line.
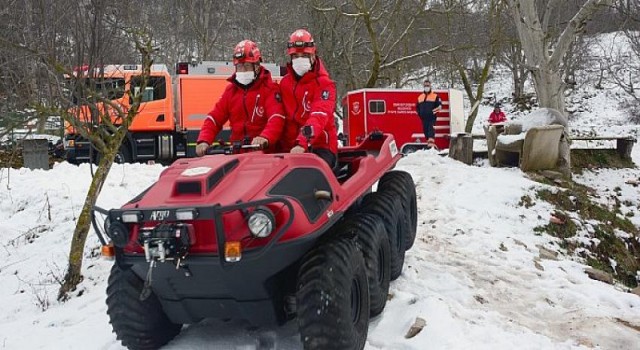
170	115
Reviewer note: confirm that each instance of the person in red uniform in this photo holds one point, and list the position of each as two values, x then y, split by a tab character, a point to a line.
497	116
251	103
309	98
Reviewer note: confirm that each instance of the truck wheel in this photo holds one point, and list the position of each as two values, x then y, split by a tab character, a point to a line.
333	296
376	250
401	183
139	324
123	155
388	208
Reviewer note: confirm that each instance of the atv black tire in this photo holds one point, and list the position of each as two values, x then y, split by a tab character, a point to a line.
376	250
333	296
139	324
389	209
401	183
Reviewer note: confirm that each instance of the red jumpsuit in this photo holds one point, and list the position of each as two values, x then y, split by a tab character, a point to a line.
253	110
309	100
497	117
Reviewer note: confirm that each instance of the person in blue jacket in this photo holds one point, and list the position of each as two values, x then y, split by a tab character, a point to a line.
428	106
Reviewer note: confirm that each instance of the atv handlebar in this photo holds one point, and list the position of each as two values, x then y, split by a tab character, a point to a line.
232	148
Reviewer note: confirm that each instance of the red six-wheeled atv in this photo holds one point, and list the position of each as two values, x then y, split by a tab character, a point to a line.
264	238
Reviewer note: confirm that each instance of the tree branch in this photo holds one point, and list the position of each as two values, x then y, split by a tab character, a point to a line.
409	57
574	27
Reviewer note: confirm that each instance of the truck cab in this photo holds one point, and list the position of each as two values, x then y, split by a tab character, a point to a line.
170	115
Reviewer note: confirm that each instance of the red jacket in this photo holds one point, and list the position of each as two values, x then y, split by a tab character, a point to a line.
252	111
498	117
309	100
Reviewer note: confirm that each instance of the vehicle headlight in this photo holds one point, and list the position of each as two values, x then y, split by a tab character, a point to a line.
131	217
261	222
186	214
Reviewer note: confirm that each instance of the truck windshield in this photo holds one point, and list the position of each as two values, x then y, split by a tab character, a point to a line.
156	88
86	90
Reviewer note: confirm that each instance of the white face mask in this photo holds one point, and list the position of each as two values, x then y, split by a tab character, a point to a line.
245	78
301	65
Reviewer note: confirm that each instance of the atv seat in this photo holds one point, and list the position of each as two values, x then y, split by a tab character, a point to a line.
348	162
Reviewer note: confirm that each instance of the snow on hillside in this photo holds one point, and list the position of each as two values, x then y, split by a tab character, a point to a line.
592	110
474	275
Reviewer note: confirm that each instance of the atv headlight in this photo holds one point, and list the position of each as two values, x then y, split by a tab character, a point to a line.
131	217
261	222
186	214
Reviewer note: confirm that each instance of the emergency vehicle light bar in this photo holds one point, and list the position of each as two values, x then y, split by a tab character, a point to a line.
182	68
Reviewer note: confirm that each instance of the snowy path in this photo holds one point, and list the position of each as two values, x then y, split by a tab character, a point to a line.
471	274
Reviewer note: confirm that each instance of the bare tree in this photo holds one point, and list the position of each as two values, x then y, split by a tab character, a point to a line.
473	42
544	51
513	57
269	24
620	62
369	40
207	19
90	35
106	136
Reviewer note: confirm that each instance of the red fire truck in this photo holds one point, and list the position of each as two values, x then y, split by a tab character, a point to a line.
394	111
170	115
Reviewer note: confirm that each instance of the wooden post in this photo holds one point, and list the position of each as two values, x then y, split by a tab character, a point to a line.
461	148
624	147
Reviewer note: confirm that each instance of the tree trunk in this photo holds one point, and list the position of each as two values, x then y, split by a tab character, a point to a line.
461	148
549	88
519	78
537	42
475	100
76	253
112	143
519	72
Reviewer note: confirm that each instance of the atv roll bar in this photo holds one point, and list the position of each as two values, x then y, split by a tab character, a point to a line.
101	235
214	213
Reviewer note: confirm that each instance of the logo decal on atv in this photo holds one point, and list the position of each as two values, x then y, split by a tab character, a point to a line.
325	94
329	214
159	215
393	148
260	111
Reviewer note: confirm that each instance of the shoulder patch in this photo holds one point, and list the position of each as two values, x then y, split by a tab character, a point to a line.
325	94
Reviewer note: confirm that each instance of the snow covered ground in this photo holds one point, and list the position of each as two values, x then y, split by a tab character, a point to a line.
474	274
